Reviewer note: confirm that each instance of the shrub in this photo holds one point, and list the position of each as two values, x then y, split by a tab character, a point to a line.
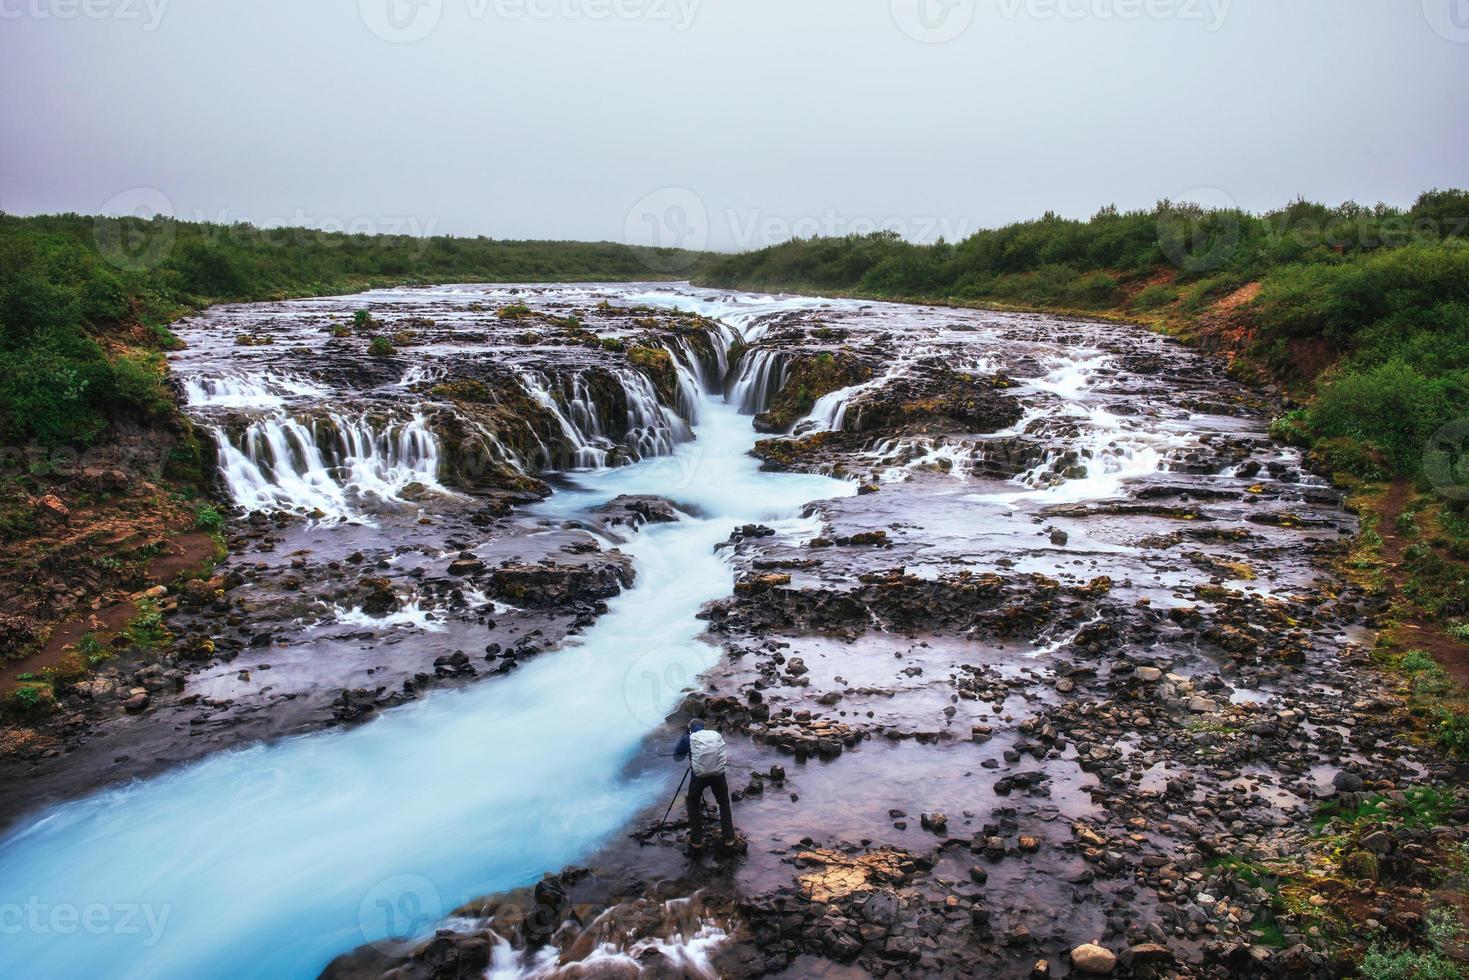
147	627
1417	661
1346	455
1153	297
30	700
380	346
1390	407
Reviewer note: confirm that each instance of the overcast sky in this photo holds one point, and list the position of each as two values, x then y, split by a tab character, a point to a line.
729	123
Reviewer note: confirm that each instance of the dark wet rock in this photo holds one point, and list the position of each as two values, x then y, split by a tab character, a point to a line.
805	378
639	509
465	566
378	597
553	584
936	399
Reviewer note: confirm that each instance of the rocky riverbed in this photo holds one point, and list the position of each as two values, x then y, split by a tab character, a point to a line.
1052	664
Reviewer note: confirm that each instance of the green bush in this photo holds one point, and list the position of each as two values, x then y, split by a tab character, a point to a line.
1391	407
30	700
147	628
208	518
1417	661
1153	297
1341	454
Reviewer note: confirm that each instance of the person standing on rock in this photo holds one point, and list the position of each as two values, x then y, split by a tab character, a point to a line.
707	764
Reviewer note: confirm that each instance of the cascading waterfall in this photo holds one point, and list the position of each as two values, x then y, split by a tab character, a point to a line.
830	410
762	372
585	454
651	428
238	390
327	468
1111	449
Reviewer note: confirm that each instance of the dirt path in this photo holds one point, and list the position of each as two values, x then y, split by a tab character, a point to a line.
1415	631
184	553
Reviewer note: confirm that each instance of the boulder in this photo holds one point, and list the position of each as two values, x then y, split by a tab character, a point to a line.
1093	960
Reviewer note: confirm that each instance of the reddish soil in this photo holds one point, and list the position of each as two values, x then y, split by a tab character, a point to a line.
184	553
108	620
1417	632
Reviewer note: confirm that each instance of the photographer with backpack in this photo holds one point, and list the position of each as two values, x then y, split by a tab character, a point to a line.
707	763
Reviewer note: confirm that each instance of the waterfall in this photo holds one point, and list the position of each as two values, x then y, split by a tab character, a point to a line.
584	453
326	467
1110	448
830	410
237	390
692	380
650	428
762	373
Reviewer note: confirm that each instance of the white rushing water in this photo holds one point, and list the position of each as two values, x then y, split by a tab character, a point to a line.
327	467
267	862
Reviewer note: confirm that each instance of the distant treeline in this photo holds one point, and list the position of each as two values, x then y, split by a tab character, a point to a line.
1378	296
85	302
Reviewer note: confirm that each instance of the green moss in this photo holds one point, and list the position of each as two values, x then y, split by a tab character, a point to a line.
29	701
147	627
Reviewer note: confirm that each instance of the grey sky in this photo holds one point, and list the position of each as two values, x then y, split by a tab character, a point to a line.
726	122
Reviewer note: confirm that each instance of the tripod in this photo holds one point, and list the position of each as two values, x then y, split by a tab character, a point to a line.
675	797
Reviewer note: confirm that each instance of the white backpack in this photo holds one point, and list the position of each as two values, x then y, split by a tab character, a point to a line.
706	753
